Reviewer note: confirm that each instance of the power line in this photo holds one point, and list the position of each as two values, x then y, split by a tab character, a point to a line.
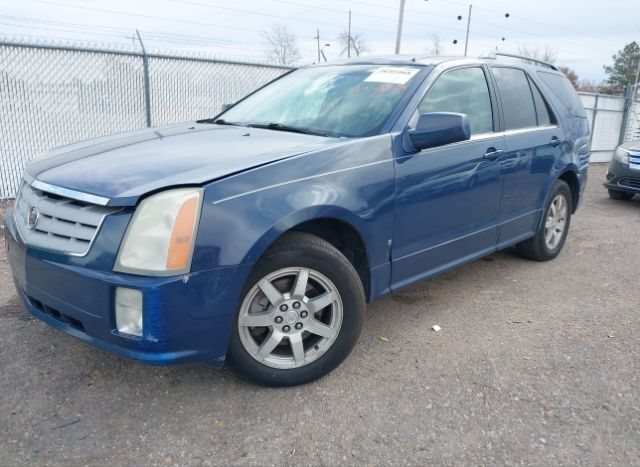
249	12
158	18
364	15
516	18
43	28
122	33
122	30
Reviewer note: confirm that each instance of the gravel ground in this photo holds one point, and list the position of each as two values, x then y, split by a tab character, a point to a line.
536	363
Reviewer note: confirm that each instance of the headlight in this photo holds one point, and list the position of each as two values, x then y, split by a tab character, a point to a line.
160	237
621	155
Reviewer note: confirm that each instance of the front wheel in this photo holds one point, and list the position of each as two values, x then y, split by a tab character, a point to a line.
553	229
301	313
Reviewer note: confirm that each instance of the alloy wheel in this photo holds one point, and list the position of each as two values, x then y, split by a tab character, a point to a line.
290	318
556	221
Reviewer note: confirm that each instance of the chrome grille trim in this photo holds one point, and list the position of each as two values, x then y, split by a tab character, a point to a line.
64	225
67	193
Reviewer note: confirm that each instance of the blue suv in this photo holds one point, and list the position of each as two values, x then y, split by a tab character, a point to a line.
256	237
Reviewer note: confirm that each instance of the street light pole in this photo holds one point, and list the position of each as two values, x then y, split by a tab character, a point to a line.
400	19
466	41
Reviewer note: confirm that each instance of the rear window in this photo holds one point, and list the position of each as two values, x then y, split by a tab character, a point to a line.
564	91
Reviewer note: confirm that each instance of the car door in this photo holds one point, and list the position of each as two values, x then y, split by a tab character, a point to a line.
532	141
448	197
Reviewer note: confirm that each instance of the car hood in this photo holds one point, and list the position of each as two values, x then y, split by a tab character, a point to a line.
125	166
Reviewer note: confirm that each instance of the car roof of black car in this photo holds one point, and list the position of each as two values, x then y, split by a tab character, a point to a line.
432	60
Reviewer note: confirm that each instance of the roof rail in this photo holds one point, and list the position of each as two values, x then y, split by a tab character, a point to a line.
523	57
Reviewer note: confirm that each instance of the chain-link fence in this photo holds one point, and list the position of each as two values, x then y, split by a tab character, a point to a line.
52	95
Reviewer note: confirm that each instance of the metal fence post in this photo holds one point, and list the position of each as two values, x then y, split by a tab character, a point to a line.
628	100
595	113
147	87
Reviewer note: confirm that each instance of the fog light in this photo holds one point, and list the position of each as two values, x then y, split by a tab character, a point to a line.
129	311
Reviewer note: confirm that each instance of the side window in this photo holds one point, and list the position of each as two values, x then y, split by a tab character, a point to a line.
545	117
464	90
517	101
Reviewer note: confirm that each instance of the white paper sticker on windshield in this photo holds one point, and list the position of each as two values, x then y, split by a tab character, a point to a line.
394	75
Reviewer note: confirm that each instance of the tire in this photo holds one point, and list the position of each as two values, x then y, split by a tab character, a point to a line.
620	195
540	247
264	313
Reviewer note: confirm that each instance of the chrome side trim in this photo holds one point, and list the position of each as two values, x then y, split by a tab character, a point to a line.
518	131
276	185
67	193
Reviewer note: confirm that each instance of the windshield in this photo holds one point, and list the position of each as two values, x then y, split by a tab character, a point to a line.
349	101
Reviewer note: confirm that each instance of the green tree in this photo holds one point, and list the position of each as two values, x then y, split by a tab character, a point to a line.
625	66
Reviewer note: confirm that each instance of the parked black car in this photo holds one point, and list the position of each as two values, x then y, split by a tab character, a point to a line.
623	176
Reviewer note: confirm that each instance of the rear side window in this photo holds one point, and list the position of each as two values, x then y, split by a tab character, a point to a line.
545	117
463	90
517	99
564	91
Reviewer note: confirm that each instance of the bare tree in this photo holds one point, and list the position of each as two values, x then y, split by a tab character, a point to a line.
282	46
358	44
547	54
436	44
570	74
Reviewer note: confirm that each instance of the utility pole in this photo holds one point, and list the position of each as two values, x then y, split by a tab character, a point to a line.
400	19
349	40
466	41
318	38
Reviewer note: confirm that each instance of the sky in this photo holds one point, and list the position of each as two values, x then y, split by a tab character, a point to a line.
584	34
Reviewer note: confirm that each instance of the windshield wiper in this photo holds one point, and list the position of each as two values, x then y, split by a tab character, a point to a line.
219	121
289	128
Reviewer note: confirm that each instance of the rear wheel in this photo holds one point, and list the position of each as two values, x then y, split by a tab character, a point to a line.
552	233
301	313
620	195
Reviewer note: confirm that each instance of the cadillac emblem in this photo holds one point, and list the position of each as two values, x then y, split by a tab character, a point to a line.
33	217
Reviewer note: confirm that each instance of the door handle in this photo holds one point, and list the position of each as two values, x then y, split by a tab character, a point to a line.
555	141
493	153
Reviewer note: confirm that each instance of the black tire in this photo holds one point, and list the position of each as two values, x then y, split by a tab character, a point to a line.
298	249
620	195
536	247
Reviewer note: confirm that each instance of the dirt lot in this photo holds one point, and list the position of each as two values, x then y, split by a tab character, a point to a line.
536	363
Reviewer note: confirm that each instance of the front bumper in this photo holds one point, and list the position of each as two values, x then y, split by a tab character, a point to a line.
186	318
621	177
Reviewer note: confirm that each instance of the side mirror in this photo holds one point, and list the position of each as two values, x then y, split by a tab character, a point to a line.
226	107
439	128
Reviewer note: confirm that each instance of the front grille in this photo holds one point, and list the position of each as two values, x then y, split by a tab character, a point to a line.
634	160
630	182
63	224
